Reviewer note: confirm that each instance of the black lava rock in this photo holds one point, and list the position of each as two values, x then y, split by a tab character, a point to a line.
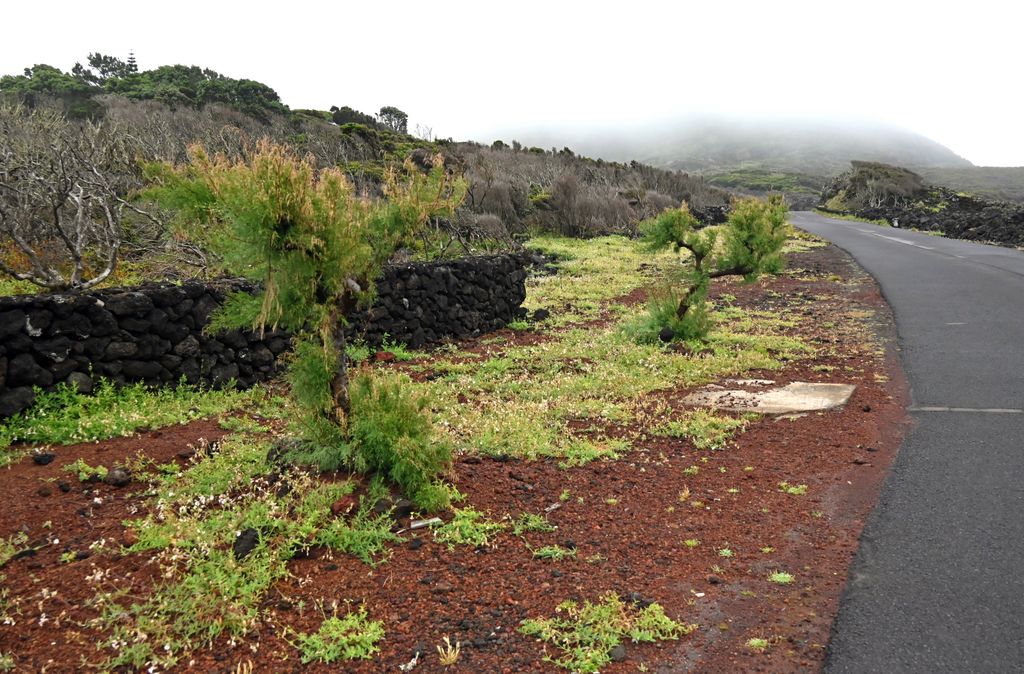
43	458
245	543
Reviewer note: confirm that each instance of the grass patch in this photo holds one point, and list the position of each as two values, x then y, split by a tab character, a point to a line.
531	523
587	634
353	637
528	401
359	352
202	519
852	218
554	552
705	429
468	527
65	416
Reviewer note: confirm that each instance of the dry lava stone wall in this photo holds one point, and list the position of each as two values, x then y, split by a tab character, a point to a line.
154	333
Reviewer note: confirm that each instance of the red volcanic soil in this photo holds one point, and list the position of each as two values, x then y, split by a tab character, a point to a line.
625	518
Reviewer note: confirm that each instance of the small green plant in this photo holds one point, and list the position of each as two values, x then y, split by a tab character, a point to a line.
11	546
691	543
85	472
353	637
530	523
581	452
757	644
793	489
519	325
691	471
564	496
367	535
587	634
554	552
468	527
726	552
767	549
780	577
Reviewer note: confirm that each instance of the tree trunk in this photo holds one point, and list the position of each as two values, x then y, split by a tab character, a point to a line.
339	382
684	303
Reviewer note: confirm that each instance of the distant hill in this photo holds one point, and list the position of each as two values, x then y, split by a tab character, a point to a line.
724	144
1002	183
821	149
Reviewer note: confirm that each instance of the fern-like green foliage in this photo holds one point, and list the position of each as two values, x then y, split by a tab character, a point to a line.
315	245
754	237
391	431
749	244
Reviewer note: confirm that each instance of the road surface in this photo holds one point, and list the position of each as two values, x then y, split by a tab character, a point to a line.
937	584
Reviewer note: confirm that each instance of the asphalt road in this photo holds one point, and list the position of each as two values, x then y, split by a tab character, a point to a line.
937	584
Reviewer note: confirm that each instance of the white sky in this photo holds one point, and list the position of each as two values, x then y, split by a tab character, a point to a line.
951	72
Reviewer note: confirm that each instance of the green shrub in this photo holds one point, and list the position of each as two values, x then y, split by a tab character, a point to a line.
391	431
749	244
662	312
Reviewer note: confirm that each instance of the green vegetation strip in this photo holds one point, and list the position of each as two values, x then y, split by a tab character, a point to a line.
65	416
521	401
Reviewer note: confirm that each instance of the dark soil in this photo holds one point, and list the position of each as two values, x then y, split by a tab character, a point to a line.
625	517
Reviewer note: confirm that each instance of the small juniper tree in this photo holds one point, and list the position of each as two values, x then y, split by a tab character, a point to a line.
749	244
316	247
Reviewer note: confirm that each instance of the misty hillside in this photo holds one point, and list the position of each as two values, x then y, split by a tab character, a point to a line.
725	144
816	149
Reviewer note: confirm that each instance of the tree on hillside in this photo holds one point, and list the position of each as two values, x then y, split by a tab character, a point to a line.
394	119
102	67
749	244
316	246
44	79
347	115
176	86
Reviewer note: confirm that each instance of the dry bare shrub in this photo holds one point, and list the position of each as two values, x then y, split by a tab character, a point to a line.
64	190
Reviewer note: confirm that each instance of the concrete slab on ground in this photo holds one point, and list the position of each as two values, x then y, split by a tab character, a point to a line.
796	397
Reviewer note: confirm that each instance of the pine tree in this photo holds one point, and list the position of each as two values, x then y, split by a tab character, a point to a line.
749	244
316	247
